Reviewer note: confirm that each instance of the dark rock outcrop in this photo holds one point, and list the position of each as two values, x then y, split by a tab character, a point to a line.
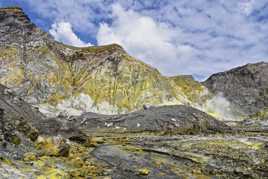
131	166
246	87
21	125
174	119
16	124
17	118
17	29
15	107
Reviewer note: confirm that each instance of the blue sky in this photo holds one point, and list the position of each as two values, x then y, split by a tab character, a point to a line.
197	37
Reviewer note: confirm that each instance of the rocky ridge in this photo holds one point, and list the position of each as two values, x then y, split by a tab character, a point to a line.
102	79
246	87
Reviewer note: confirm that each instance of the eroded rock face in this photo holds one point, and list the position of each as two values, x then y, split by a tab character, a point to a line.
21	125
15	129
17	124
246	87
17	118
61	78
15	107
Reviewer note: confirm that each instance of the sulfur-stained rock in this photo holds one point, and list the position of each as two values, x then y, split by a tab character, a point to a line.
53	146
60	78
187	157
128	165
144	171
29	157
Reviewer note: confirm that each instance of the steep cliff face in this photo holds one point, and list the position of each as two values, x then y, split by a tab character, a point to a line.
246	87
57	77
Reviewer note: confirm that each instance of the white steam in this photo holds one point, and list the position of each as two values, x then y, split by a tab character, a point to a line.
220	108
77	105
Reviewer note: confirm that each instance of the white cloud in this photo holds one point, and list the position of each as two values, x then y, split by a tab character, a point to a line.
198	37
80	13
220	108
63	32
144	38
185	37
246	6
